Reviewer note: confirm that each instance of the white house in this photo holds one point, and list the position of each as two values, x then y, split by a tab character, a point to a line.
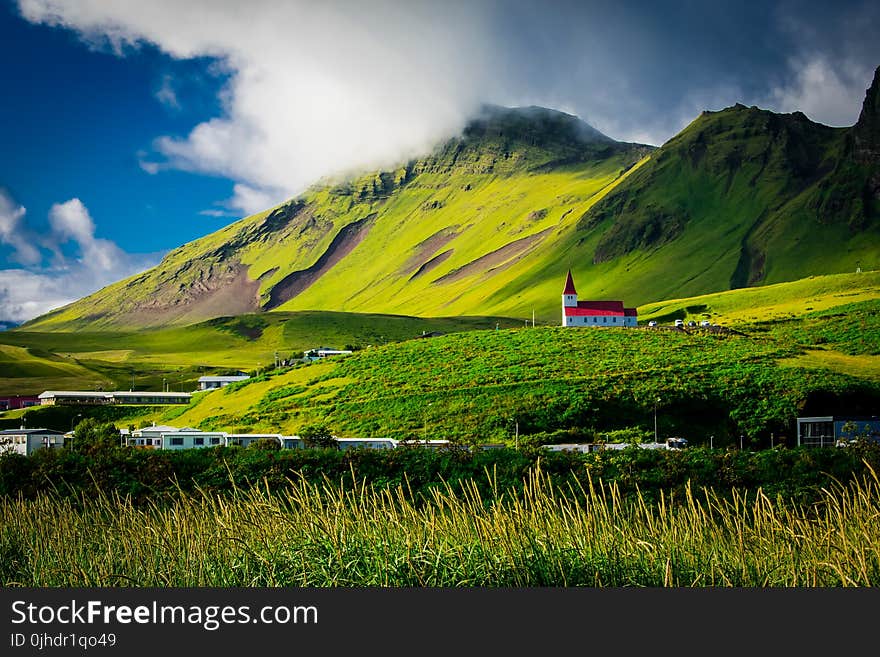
27	441
175	438
147	436
593	313
168	437
213	382
365	443
53	397
81	397
192	439
428	444
583	448
323	352
247	439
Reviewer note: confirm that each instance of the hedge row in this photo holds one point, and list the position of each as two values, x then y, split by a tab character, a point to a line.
796	474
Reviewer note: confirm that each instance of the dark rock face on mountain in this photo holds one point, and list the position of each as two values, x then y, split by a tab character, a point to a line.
866	132
865	144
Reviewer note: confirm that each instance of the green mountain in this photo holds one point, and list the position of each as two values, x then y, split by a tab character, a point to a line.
745	197
489	223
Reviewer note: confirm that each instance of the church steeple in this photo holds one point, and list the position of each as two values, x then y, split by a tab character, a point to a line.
569	296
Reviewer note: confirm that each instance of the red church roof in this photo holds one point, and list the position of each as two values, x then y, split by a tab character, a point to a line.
590	311
615	307
569	285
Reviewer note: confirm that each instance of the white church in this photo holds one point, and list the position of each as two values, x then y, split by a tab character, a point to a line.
593	313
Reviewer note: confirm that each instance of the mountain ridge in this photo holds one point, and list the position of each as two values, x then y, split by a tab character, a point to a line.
490	220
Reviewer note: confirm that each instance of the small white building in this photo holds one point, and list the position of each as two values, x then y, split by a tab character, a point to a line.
247	439
593	313
214	382
174	438
88	397
68	397
292	442
192	439
27	441
427	444
323	352
150	437
583	448
365	443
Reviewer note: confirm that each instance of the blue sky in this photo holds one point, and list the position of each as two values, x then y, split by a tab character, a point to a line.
130	128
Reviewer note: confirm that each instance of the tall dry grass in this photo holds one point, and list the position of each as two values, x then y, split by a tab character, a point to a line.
326	535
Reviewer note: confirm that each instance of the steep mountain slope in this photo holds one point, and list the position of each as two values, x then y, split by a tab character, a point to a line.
413	240
490	222
744	197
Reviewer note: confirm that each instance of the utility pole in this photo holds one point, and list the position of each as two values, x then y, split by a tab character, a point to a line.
425	430
656	401
711	440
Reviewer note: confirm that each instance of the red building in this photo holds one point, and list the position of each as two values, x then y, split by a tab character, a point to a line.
18	401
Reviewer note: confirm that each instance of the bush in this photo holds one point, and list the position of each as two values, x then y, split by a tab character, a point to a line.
798	474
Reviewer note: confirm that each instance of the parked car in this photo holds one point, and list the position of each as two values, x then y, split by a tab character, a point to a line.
692	323
705	322
679	322
652	323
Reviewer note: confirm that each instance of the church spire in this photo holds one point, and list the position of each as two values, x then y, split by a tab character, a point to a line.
569	285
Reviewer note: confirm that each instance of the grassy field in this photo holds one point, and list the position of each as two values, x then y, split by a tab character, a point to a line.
813	351
325	535
32	362
748	306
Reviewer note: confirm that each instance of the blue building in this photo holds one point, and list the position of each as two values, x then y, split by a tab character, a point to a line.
831	430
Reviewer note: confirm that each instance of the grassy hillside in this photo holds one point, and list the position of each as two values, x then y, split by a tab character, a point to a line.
554	384
786	349
32	362
741	197
768	302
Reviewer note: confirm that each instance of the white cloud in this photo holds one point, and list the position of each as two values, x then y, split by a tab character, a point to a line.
151	168
25	294
314	88
166	94
213	212
14	233
827	92
71	221
32	290
250	199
